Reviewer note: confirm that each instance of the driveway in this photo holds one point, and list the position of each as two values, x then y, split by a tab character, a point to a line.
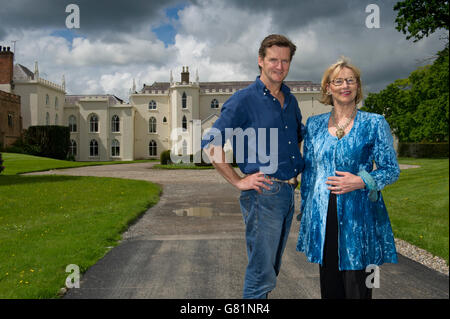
192	245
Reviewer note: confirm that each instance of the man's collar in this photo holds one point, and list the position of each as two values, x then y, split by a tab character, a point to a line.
262	87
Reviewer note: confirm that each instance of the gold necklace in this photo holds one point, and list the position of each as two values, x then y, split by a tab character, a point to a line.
340	130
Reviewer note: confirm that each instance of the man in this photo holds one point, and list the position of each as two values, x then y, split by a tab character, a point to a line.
265	112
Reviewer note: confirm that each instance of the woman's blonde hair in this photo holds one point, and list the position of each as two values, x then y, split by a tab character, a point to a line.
331	72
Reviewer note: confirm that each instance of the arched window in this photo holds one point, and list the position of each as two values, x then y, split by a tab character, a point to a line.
72	123
56	119
184	101
152	125
93	148
152	105
47	99
47	119
73	148
184	123
214	104
152	148
115	148
164	119
56	102
115	124
93	123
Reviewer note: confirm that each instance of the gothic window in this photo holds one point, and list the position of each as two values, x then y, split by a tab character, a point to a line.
115	124
73	148
164	119
152	125
214	104
72	123
184	123
47	119
10	120
56	102
93	123
93	148
115	148
56	119
184	101
47	99
152	148
152	105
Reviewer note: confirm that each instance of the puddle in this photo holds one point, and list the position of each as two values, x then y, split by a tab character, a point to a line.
201	212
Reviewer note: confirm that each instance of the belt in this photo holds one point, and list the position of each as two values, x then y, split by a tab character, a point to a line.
292	181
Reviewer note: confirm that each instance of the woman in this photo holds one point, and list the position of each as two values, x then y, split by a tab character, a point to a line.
344	223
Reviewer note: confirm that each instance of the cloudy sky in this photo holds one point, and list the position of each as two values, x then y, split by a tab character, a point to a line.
119	41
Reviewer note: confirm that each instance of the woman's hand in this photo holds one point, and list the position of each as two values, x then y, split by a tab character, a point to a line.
345	183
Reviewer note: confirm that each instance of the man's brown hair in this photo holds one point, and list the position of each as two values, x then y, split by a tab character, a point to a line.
278	40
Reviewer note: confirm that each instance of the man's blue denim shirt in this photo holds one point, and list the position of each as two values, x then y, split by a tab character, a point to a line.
255	110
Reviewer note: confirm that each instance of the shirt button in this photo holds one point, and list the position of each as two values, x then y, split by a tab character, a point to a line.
295	170
293	156
274	99
285	126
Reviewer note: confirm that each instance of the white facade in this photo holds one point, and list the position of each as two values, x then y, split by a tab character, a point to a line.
103	128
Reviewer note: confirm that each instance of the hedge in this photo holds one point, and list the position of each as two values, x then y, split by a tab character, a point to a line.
48	140
423	150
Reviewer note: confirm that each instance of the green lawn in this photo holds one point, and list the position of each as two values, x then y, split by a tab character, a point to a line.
20	163
49	222
418	205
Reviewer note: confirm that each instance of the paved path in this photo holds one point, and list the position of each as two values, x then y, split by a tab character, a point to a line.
191	245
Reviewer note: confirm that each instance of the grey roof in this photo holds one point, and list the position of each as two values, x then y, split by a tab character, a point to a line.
112	99
22	72
237	85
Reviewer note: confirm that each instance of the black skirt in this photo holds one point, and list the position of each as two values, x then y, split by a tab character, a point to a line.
336	284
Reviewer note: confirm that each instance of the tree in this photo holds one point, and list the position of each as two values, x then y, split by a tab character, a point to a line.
420	18
417	108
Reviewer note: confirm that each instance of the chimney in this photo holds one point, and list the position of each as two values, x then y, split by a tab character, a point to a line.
185	75
6	65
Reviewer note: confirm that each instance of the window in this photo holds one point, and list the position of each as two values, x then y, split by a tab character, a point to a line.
47	119
73	148
115	124
10	120
56	102
72	123
152	125
164	119
184	101
184	123
214	104
56	119
47	99
93	148
152	105
93	123
152	148
115	148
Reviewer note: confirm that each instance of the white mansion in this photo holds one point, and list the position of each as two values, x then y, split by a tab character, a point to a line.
104	128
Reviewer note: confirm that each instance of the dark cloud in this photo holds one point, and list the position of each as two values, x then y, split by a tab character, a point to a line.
100	18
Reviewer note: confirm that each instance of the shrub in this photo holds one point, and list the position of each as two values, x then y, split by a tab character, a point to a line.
423	150
1	164
48	141
165	158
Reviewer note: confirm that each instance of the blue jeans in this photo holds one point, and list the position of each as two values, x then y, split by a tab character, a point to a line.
268	218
